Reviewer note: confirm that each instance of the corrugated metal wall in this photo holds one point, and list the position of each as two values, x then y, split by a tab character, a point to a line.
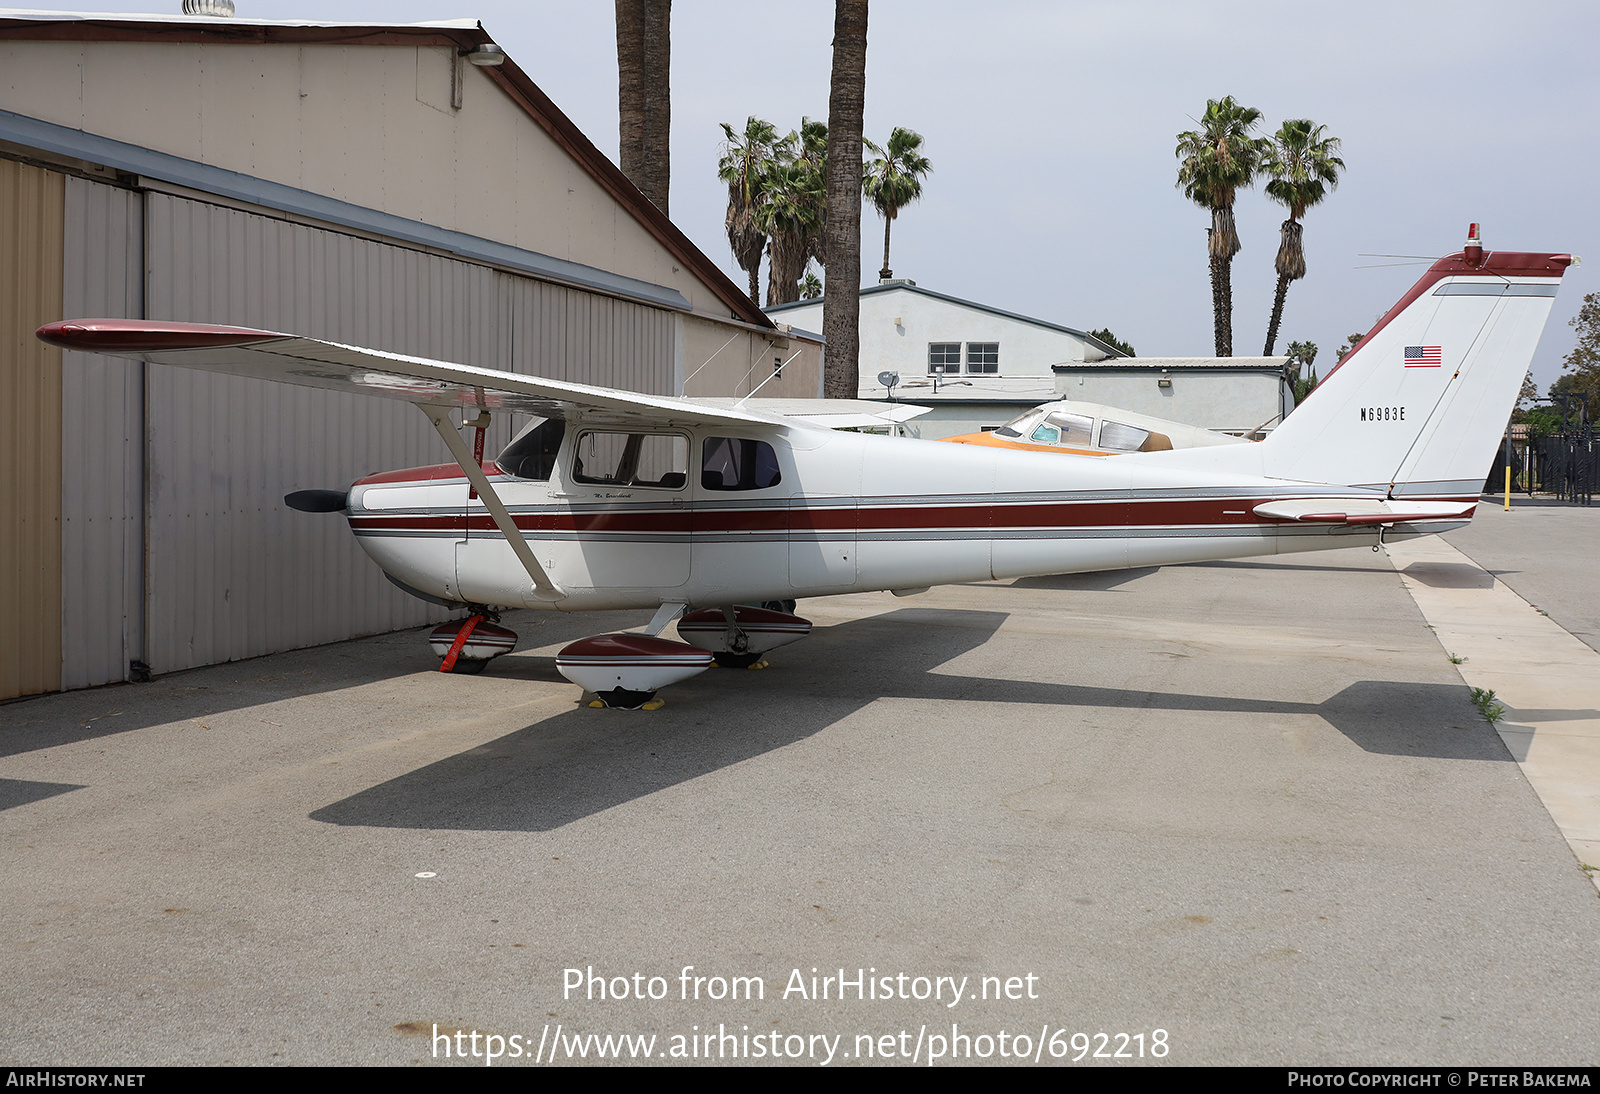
228	571
564	334
102	443
31	214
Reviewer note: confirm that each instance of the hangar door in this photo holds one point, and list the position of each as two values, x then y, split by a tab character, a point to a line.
227	570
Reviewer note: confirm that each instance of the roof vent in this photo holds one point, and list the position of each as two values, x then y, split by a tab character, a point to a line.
221	9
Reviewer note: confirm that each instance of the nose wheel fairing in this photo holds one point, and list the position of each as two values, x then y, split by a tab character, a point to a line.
470	644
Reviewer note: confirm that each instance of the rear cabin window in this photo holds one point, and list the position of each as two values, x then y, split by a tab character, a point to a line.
659	460
734	463
1122	438
533	454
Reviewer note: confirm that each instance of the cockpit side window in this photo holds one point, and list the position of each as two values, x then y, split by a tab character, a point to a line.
1059	428
659	460
735	463
533	454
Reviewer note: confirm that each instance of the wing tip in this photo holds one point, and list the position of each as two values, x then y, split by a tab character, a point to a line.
144	335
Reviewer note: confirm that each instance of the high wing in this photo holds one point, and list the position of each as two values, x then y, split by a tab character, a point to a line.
828	413
440	385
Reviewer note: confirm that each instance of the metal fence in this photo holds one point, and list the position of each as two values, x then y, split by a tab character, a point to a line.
1564	464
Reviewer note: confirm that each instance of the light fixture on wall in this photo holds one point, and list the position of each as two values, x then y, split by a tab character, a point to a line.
485	56
1165	381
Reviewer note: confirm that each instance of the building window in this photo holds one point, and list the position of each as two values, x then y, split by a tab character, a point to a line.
944	357
983	357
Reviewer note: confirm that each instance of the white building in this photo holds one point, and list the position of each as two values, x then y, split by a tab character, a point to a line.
986	363
979	366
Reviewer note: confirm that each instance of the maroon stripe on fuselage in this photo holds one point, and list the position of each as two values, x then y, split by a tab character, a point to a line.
1208	512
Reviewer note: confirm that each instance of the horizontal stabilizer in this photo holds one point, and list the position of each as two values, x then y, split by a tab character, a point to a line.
1362	510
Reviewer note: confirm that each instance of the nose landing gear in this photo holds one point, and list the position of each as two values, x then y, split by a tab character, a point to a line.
468	645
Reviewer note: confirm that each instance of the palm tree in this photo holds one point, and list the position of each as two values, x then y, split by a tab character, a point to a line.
791	215
894	180
812	152
644	56
1304	166
841	294
744	166
1217	159
1302	356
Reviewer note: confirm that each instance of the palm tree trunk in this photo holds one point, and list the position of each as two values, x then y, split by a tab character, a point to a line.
841	298
786	263
1225	309
1219	338
1277	315
1291	266
886	273
755	284
644	64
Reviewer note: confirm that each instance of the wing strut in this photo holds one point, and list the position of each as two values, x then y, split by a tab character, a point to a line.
544	588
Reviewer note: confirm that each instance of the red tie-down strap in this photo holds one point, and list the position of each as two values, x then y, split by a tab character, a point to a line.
462	635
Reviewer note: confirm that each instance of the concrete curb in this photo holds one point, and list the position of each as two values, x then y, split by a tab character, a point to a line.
1547	680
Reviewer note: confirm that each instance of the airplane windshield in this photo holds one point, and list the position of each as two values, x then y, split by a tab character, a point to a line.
1019	426
533	454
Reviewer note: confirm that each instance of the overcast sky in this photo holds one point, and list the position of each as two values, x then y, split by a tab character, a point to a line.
1051	128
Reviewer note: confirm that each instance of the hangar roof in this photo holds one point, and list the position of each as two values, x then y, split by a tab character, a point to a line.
29	25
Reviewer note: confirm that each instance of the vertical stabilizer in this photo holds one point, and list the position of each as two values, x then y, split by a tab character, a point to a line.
1418	407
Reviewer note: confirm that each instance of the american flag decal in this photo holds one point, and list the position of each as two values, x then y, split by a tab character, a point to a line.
1424	357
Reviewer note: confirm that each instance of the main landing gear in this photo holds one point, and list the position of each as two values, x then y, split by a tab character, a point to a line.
626	670
739	636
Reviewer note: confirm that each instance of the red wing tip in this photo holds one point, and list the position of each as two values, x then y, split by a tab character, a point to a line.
145	335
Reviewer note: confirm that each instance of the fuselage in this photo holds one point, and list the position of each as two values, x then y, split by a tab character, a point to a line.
632	518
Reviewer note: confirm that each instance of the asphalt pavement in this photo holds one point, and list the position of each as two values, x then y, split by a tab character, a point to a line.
1236	813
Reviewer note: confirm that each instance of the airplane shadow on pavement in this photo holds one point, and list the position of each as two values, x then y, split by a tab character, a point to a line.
583	761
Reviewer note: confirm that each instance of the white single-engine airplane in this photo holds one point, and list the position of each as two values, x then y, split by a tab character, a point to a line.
618	500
